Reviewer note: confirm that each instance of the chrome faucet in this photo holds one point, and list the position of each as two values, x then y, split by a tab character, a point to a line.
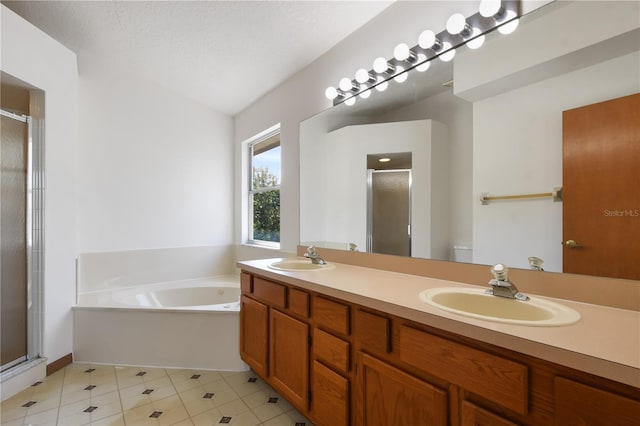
501	286
314	256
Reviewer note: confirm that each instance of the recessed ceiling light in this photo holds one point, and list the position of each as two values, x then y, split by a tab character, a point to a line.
384	160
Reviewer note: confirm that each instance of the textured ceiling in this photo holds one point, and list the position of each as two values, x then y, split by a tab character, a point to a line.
225	54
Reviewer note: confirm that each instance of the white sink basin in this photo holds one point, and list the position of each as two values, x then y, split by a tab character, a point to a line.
475	303
297	265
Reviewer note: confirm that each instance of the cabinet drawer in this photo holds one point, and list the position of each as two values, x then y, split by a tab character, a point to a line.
497	379
585	405
246	283
331	315
299	302
270	292
331	350
373	332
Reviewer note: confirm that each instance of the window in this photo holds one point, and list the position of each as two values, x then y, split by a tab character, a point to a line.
264	190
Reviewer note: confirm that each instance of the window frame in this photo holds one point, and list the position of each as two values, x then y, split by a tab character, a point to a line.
270	133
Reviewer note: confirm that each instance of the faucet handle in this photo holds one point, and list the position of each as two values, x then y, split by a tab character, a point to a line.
535	263
311	252
500	272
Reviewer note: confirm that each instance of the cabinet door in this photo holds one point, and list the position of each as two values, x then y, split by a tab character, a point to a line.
330	393
254	334
578	404
289	358
393	397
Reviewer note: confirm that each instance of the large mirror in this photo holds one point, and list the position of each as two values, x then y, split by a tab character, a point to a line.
488	124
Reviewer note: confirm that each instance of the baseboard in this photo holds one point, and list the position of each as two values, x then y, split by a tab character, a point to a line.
59	364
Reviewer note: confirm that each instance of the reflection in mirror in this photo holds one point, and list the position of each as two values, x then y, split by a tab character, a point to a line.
389	203
501	123
335	213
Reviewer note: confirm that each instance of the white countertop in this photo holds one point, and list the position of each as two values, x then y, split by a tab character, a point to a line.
605	341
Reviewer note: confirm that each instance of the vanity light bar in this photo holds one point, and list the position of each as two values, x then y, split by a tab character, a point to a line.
493	14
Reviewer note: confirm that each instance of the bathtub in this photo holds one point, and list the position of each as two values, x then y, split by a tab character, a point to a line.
190	324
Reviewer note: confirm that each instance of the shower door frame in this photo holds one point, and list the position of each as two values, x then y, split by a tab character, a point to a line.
34	223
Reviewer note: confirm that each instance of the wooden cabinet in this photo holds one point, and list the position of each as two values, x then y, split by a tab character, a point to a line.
331	362
254	334
492	377
274	343
340	363
393	397
289	358
579	404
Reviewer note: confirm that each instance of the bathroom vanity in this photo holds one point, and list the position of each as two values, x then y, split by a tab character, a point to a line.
353	345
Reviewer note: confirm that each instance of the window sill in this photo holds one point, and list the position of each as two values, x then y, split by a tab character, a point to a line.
268	246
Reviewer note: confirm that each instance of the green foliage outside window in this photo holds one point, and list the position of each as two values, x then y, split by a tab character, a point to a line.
266	206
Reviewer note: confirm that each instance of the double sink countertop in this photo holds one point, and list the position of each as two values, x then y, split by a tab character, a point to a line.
605	341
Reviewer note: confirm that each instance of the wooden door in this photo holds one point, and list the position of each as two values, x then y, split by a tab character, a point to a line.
254	335
601	188
391	397
289	358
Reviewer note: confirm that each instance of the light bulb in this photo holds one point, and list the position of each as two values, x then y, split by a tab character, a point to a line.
380	65
489	7
362	76
401	52
456	23
345	84
331	93
365	93
350	101
401	76
382	85
511	26
424	64
449	52
478	41
427	39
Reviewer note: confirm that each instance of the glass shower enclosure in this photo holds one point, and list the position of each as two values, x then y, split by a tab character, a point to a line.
21	241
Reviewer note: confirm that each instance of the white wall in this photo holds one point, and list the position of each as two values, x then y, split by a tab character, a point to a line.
33	57
155	167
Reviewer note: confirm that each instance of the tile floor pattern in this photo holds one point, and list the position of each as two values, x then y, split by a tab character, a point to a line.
86	394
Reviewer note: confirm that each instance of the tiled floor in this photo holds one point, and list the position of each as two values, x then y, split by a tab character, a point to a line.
83	394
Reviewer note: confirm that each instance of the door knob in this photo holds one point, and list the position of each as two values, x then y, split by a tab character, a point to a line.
571	244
